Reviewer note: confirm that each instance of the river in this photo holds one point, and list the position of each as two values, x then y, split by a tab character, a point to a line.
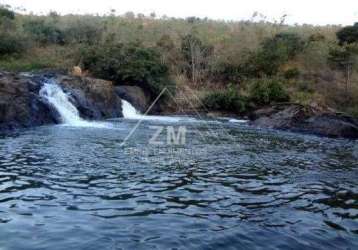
226	186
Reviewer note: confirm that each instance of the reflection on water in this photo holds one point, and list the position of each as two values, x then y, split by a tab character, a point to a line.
235	187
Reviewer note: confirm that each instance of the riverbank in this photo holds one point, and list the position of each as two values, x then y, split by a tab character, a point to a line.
21	106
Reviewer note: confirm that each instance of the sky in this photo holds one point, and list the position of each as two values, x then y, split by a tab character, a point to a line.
317	12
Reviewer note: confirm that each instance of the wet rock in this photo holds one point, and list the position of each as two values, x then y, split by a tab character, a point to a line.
20	103
307	119
22	106
94	98
134	95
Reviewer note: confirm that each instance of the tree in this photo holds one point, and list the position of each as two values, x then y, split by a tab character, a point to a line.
7	22
131	64
348	34
344	58
44	33
274	53
6	13
196	56
265	91
169	53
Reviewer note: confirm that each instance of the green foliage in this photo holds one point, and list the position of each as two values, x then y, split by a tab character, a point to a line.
202	53
7	19
265	91
348	34
275	52
196	56
130	64
84	31
21	64
344	57
10	44
6	13
291	73
43	32
226	72
227	100
166	43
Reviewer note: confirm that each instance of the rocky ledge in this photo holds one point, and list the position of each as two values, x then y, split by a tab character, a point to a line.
22	106
306	119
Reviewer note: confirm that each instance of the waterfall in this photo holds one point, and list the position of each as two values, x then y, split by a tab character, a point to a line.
69	114
129	111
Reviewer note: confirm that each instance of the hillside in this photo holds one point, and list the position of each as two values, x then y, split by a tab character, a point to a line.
229	66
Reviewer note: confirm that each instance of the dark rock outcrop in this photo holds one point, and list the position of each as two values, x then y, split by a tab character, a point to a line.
306	119
94	98
134	95
20	104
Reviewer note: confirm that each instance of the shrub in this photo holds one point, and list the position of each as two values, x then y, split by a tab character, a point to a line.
131	64
43	32
84	31
226	72
291	73
6	13
348	34
196	57
275	52
266	91
227	100
10	44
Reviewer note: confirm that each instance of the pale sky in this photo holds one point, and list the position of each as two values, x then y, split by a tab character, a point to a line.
317	12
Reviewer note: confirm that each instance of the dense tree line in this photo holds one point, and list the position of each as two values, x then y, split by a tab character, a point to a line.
234	66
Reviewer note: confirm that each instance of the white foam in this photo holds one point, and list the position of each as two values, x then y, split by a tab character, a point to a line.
129	112
68	112
237	121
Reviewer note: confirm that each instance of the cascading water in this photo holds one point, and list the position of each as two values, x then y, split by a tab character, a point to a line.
69	114
129	111
56	97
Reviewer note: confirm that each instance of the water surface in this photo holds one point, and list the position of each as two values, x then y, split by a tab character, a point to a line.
229	187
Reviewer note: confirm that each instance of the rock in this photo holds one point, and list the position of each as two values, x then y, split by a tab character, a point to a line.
305	119
134	95
94	98
20	104
76	71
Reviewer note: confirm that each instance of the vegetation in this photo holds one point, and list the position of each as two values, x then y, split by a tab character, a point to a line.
131	64
266	91
240	64
228	100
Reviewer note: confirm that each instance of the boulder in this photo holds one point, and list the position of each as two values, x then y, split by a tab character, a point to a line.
20	104
134	95
94	98
307	119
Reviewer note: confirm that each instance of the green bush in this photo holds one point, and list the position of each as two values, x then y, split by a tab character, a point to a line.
84	31
10	44
291	73
348	34
43	32
227	100
275	52
6	13
130	64
225	72
266	91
